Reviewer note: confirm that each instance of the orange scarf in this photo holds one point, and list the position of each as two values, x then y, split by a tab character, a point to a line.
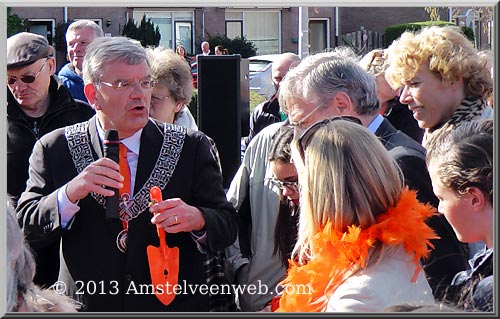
335	253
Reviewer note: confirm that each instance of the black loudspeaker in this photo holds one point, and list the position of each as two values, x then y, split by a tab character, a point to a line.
223	107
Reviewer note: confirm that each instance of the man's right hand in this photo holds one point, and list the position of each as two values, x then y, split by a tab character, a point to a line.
94	178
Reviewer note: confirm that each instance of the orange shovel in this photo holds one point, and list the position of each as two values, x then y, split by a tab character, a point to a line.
163	261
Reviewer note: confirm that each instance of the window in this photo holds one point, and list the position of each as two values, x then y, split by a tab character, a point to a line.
43	27
175	27
318	35
260	27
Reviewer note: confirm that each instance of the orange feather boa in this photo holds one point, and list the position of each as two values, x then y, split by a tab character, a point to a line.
336	253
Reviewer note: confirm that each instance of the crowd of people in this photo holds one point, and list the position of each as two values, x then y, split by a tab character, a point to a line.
365	185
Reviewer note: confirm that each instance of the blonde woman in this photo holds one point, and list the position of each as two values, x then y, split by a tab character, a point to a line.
445	81
360	242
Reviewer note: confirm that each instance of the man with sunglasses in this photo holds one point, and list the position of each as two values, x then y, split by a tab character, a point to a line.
37	103
332	84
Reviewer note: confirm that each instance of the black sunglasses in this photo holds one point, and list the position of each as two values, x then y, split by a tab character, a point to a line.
27	78
306	136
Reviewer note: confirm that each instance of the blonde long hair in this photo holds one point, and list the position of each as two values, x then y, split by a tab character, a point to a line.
348	178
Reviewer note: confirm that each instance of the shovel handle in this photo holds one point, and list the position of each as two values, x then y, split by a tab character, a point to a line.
156	197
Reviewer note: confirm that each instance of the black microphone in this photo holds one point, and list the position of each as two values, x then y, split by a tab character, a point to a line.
112	151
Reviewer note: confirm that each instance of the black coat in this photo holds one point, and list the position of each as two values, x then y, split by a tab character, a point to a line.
472	290
22	133
88	249
449	255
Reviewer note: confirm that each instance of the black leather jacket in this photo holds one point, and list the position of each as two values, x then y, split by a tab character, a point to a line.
264	114
23	132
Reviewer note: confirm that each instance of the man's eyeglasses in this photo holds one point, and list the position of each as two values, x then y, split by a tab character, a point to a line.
293	186
155	99
306	136
127	85
27	78
301	122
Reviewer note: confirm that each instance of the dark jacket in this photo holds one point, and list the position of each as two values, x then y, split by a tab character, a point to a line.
472	290
73	82
88	243
449	255
22	133
402	119
264	114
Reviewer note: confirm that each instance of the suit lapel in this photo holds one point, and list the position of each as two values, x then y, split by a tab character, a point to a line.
151	141
385	131
94	137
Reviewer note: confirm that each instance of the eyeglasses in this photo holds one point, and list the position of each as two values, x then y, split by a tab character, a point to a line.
302	120
27	78
293	186
124	85
306	137
158	99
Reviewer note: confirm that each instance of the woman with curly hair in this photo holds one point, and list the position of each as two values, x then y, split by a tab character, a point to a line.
445	81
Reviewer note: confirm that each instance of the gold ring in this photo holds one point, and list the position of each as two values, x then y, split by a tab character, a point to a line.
176	219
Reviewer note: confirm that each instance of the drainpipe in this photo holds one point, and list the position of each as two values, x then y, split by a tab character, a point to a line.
202	23
336	26
65	14
303	32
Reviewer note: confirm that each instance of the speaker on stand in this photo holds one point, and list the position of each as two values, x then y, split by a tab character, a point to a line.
223	107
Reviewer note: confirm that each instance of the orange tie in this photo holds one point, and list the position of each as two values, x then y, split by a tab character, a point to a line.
125	172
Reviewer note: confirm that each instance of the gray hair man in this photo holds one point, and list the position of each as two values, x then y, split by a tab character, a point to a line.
78	37
65	198
333	84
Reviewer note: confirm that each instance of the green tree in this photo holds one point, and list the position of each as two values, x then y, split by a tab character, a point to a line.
15	24
238	45
145	32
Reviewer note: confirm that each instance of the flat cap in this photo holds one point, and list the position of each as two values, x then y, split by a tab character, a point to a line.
25	48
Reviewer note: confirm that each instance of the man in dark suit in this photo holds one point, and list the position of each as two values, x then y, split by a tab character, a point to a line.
104	261
332	84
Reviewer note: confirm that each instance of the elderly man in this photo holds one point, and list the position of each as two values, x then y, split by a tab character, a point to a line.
78	36
333	84
37	103
268	112
205	48
70	179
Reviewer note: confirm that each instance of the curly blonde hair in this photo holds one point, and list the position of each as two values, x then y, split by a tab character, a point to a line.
448	53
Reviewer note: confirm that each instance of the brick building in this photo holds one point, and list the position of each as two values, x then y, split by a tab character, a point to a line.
272	30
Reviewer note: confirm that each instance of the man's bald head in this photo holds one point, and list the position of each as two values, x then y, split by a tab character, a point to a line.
282	65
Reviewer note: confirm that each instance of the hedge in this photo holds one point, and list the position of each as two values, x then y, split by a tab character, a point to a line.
394	31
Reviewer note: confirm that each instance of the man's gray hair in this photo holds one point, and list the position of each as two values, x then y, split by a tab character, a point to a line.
320	77
83	23
111	49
